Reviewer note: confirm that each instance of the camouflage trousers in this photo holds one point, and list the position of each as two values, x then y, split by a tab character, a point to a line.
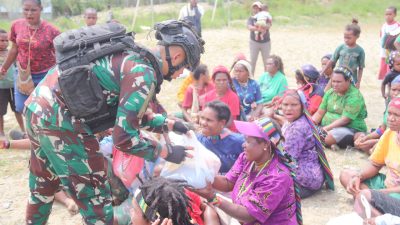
61	158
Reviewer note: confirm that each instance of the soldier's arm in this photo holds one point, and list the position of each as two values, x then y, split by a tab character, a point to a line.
135	87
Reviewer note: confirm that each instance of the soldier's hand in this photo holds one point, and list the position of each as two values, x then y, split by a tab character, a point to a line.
180	127
175	153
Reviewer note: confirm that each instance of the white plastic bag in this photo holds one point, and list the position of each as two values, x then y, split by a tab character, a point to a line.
197	171
347	219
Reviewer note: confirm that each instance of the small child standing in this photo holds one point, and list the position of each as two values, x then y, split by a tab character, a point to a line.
324	78
390	25
90	17
349	54
7	86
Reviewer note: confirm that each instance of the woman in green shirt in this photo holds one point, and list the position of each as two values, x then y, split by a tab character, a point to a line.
342	111
272	82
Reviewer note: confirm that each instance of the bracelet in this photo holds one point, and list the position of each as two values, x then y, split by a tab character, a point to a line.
6	144
215	201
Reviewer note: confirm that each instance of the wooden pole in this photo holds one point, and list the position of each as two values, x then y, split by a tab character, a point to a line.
135	15
214	10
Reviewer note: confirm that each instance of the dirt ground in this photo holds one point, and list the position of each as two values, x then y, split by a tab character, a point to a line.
296	46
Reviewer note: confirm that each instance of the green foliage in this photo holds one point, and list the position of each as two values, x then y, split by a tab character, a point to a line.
233	13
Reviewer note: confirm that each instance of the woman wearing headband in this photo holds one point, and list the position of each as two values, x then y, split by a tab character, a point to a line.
247	89
302	142
342	111
386	154
263	189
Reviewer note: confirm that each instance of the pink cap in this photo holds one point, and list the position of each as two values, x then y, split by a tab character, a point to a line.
261	128
250	129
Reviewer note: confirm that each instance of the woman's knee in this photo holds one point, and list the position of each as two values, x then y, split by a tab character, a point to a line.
345	176
330	140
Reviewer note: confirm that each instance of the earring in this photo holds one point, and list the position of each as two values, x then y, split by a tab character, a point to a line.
265	149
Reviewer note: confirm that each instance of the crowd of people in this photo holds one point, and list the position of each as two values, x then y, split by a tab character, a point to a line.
270	140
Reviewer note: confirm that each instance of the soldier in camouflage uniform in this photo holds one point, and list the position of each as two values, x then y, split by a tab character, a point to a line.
65	152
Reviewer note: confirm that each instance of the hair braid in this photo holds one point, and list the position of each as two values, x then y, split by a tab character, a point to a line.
168	198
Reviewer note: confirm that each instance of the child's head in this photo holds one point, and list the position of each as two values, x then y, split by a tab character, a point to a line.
201	75
394	61
3	40
395	87
390	14
90	16
352	33
324	61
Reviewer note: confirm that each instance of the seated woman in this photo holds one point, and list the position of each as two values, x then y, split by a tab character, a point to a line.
386	154
247	89
214	136
263	190
367	142
272	82
342	111
303	144
323	79
306	77
168	202
195	92
223	92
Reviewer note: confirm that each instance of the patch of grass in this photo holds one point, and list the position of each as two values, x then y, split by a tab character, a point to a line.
284	12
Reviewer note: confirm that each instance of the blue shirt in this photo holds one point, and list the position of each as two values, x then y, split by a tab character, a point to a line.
227	148
247	94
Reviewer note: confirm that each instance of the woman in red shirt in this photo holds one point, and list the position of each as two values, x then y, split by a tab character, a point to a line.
32	43
223	92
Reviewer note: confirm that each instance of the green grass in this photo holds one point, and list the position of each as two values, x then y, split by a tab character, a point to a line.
284	12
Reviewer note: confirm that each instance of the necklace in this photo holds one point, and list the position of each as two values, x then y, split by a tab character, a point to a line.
243	189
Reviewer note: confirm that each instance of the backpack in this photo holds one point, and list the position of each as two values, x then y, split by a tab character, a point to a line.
82	92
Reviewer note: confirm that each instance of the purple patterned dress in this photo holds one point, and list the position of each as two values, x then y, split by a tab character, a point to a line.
268	195
300	144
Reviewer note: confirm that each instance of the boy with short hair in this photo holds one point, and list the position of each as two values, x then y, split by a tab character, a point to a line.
7	86
90	17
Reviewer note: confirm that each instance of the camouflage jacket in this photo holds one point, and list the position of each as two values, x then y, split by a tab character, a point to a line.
135	76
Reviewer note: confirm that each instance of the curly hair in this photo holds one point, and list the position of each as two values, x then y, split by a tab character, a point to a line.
354	27
277	62
168	198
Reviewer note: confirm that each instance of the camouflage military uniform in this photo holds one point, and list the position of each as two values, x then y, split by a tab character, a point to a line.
65	150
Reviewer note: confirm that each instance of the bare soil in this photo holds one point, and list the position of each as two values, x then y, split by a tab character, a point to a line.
296	46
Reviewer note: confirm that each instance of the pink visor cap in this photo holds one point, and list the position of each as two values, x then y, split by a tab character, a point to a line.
261	128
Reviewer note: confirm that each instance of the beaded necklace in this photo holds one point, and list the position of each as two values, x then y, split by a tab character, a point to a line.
243	189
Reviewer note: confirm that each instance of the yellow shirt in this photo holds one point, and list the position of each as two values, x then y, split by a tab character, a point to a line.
182	89
387	153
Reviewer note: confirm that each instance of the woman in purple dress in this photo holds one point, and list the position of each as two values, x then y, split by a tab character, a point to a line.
261	182
301	143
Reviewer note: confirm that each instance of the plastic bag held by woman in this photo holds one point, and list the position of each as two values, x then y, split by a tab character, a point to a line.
197	171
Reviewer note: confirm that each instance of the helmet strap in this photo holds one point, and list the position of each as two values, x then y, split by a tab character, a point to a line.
171	69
